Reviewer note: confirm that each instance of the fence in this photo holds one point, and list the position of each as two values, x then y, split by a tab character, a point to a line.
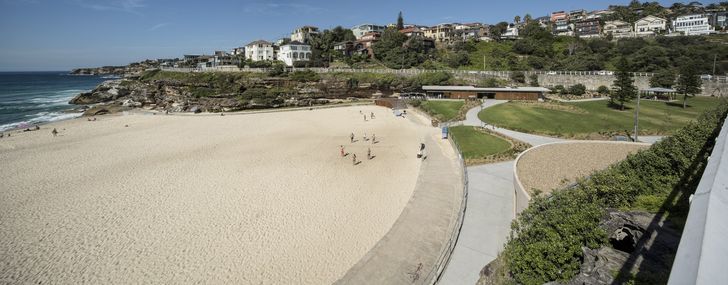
504	74
702	249
442	262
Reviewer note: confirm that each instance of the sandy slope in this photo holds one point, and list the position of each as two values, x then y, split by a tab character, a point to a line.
252	199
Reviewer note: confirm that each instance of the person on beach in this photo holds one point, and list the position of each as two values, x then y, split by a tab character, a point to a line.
374	138
37	127
365	137
365	118
353	159
2	135
351	138
342	150
54	132
369	153
371	115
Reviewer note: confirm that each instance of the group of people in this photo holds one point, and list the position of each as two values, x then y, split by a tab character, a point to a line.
371	115
352	140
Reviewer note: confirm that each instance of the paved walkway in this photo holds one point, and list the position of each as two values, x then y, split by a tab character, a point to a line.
409	252
487	222
471	119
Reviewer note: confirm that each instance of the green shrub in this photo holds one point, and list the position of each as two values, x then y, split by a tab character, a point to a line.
518	77
603	90
578	89
547	237
304	76
430	78
558	89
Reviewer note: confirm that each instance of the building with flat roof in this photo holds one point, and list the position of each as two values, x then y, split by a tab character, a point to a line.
689	25
363	29
470	92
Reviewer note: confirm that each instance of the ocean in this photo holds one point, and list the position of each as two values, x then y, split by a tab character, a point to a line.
28	98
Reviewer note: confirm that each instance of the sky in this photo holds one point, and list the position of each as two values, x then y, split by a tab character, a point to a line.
37	35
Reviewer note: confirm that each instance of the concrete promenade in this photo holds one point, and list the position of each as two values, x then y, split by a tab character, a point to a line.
487	222
411	250
489	208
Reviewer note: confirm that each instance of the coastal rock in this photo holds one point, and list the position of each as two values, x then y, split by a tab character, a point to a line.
105	92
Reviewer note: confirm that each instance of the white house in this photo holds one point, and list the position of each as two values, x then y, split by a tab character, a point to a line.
511	32
304	34
618	29
294	52
260	50
649	26
363	29
696	24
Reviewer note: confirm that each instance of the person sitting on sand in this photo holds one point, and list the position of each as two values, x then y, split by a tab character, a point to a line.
54	132
37	127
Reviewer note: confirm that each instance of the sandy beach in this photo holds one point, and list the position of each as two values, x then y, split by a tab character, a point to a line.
245	199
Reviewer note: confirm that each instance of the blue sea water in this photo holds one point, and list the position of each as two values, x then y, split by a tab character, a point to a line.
28	98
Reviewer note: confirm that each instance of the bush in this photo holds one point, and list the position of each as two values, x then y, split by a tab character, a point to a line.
304	76
578	89
603	90
518	77
547	237
558	89
430	78
277	69
260	64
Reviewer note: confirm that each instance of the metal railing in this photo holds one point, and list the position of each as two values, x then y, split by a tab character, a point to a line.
702	249
442	262
492	73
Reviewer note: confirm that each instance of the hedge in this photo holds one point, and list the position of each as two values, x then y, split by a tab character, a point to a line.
547	237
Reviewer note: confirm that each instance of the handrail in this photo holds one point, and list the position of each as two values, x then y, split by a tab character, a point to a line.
702	249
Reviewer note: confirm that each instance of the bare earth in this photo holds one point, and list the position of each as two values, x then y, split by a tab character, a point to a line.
555	166
245	199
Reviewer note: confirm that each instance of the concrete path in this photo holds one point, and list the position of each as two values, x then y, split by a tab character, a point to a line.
487	222
650	139
471	119
410	251
578	100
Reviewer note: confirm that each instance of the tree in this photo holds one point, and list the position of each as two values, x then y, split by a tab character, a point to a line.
533	80
624	89
603	90
400	21
689	82
527	18
664	78
518	77
578	89
517	19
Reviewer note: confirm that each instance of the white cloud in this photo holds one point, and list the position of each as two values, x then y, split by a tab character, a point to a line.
157	26
129	6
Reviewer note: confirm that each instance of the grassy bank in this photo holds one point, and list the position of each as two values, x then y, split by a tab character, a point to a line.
597	118
442	110
547	238
475	144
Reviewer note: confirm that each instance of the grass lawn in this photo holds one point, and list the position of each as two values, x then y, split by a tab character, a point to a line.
475	144
442	110
591	118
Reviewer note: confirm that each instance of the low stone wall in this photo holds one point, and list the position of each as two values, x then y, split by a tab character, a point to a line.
598	155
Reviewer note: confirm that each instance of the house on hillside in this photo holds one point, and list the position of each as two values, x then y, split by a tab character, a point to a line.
544	22
294	52
440	33
345	48
563	28
559	15
689	25
511	32
260	50
650	26
588	28
719	20
618	29
412	32
304	34
363	29
598	14
577	15
365	44
238	51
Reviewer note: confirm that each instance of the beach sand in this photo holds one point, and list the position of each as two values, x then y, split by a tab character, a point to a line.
246	199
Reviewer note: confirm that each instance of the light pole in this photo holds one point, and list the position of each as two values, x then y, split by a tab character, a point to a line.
637	117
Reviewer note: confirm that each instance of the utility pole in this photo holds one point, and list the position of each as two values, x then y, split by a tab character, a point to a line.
483	62
637	117
715	57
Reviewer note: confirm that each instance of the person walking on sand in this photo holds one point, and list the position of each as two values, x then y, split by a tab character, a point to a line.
342	150
365	118
54	132
374	138
351	138
365	137
353	159
371	115
369	153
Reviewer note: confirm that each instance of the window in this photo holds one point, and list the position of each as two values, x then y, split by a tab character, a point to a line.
295	55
